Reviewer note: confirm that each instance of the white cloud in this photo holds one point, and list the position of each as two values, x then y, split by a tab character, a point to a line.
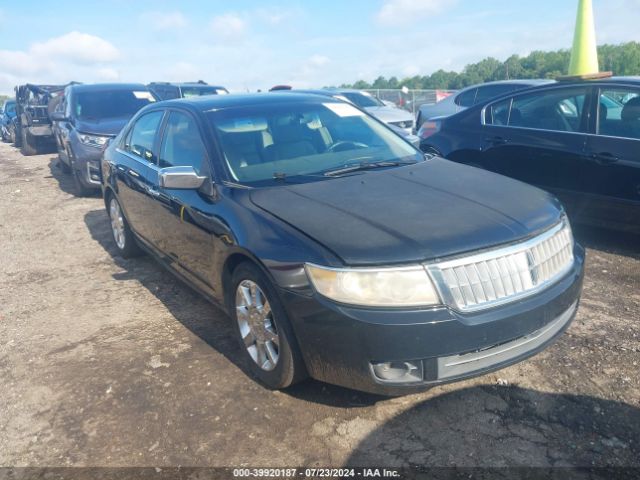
72	56
76	47
403	12
229	25
165	20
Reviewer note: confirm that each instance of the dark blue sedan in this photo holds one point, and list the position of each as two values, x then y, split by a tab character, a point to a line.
339	250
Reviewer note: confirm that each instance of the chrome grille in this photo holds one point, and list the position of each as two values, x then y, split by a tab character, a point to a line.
503	275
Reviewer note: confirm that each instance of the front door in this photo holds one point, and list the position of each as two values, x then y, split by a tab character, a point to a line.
185	219
539	138
611	176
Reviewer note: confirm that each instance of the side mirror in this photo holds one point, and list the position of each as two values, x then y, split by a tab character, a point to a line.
182	178
58	117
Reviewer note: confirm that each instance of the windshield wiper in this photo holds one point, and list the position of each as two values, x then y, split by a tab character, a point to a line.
367	166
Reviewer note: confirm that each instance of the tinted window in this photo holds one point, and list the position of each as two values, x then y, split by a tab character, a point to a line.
466	99
363	100
166	92
619	113
182	144
557	110
140	140
491	91
197	91
303	139
109	103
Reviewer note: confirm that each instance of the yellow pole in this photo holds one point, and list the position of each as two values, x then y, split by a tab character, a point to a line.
584	56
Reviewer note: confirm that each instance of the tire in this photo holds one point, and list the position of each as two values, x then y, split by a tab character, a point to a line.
121	233
26	147
17	137
64	166
267	336
80	189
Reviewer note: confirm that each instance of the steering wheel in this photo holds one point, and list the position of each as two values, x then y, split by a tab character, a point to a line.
344	145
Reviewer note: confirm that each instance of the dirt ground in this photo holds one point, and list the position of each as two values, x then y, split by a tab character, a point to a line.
112	362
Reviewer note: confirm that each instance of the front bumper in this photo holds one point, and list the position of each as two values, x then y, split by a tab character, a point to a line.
87	162
342	344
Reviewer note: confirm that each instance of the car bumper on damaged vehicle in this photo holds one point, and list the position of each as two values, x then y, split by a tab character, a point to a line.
396	352
87	161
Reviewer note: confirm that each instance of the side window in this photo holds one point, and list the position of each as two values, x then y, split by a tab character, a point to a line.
619	112
182	144
498	113
141	137
491	91
466	99
556	110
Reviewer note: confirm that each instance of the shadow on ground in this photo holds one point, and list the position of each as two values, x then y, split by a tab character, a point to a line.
499	426
65	180
206	320
609	241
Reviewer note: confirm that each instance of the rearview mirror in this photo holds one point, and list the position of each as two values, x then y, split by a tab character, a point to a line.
183	178
58	117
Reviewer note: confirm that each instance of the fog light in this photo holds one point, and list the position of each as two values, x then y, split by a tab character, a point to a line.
398	372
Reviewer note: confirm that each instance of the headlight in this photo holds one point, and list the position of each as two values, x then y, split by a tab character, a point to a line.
93	140
383	287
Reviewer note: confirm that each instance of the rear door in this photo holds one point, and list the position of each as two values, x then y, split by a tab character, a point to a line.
136	153
611	176
539	138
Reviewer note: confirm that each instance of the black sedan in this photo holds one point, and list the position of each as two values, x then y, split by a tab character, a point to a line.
579	140
340	251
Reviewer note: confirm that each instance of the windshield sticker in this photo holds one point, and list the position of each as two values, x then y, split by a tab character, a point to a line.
344	109
140	95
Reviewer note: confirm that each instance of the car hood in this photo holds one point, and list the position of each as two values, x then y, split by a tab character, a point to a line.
427	211
105	126
390	114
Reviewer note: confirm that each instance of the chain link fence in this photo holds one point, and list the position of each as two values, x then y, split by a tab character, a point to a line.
410	100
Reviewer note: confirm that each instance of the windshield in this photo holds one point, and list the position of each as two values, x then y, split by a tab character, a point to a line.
198	91
362	99
305	139
10	108
110	103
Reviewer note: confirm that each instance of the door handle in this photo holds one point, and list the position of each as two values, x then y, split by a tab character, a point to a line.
605	158
133	173
496	140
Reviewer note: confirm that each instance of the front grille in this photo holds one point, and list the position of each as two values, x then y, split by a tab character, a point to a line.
502	275
403	124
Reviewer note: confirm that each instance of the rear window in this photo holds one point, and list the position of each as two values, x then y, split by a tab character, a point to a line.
110	103
198	91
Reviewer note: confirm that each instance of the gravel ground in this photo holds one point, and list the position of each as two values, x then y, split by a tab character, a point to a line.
112	362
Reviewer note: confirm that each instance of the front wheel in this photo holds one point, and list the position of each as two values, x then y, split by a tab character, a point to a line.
27	144
263	329
122	234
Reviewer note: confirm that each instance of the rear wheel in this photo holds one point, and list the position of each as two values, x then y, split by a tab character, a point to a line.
27	144
122	234
263	329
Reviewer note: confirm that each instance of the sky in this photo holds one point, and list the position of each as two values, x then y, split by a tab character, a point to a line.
251	44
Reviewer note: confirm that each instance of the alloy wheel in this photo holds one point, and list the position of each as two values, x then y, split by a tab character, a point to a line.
256	325
117	223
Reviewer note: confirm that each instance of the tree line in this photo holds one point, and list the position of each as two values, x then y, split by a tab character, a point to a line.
622	59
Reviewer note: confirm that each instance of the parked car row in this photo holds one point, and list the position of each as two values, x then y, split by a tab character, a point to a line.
339	250
579	140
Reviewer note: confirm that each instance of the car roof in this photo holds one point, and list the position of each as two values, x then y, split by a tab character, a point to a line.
184	84
218	102
96	87
532	82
